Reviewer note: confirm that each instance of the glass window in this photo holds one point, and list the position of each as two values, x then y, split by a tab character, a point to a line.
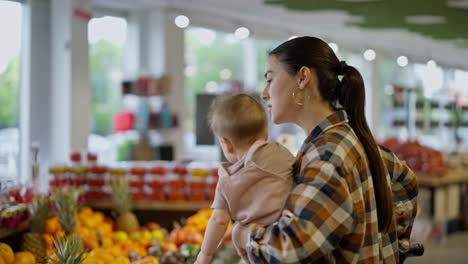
213	63
263	47
10	30
107	36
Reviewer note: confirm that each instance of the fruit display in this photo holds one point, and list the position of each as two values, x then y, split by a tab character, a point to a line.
126	220
7	256
12	216
60	230
151	181
33	241
419	158
69	250
66	204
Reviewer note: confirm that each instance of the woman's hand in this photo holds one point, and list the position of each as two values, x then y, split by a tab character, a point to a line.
240	237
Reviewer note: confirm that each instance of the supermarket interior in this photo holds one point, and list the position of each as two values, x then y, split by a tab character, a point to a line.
107	154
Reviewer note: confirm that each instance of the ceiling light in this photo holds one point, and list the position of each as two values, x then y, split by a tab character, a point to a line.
242	33
369	55
205	36
225	74
190	71
333	46
211	86
402	61
425	20
182	21
458	3
431	63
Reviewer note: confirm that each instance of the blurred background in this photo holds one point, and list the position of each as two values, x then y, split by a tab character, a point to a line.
125	85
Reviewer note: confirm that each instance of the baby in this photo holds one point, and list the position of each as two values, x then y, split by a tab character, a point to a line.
254	185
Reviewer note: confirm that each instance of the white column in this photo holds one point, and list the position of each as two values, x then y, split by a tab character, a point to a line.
162	52
60	75
131	67
373	98
70	97
35	91
250	66
80	80
175	65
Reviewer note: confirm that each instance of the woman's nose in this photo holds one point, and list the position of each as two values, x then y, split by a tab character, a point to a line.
265	95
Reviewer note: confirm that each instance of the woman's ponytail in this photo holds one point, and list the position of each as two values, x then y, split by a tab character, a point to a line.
351	96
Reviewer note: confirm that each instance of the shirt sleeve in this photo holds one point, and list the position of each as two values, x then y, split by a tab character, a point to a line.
320	212
219	201
405	191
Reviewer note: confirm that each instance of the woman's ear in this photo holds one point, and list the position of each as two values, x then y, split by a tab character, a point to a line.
228	145
304	76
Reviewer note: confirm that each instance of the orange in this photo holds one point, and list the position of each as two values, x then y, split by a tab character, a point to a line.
147	260
52	225
7	253
49	239
93	260
2	261
24	258
86	211
102	254
122	260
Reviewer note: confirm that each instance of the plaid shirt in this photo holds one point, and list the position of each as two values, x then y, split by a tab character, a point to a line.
331	215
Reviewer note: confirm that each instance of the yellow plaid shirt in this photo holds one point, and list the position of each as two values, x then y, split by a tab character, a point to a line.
331	215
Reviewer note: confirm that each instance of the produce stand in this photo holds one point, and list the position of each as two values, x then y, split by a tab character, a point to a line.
443	200
165	212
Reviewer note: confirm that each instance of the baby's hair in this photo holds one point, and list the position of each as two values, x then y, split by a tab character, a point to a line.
239	118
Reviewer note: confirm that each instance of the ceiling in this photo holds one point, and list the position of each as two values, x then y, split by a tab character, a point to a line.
353	24
439	19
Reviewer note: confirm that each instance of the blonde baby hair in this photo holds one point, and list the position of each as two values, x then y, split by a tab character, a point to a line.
239	118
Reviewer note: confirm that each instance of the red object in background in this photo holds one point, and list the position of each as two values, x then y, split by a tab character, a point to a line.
419	158
210	197
138	171
157	196
391	143
123	121
75	156
83	14
197	185
138	196
158	170
196	197
176	184
175	196
214	172
180	170
91	156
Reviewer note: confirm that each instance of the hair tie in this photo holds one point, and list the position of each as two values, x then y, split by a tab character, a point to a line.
341	68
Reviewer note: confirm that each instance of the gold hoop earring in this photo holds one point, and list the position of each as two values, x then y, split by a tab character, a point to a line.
294	97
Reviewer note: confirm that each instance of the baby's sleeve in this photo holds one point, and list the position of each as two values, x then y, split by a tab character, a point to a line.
219	201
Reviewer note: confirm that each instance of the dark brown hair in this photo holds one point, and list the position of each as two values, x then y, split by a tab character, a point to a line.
350	93
240	118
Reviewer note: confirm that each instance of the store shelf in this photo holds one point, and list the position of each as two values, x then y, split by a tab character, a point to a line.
452	177
6	232
156	205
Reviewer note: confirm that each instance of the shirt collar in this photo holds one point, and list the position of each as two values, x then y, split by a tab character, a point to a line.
337	118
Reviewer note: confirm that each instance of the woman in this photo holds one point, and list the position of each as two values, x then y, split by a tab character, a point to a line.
352	201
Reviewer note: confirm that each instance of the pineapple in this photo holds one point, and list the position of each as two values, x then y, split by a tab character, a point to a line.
66	203
126	220
33	240
69	250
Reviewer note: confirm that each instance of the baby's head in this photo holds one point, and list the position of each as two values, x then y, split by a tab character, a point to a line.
237	121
